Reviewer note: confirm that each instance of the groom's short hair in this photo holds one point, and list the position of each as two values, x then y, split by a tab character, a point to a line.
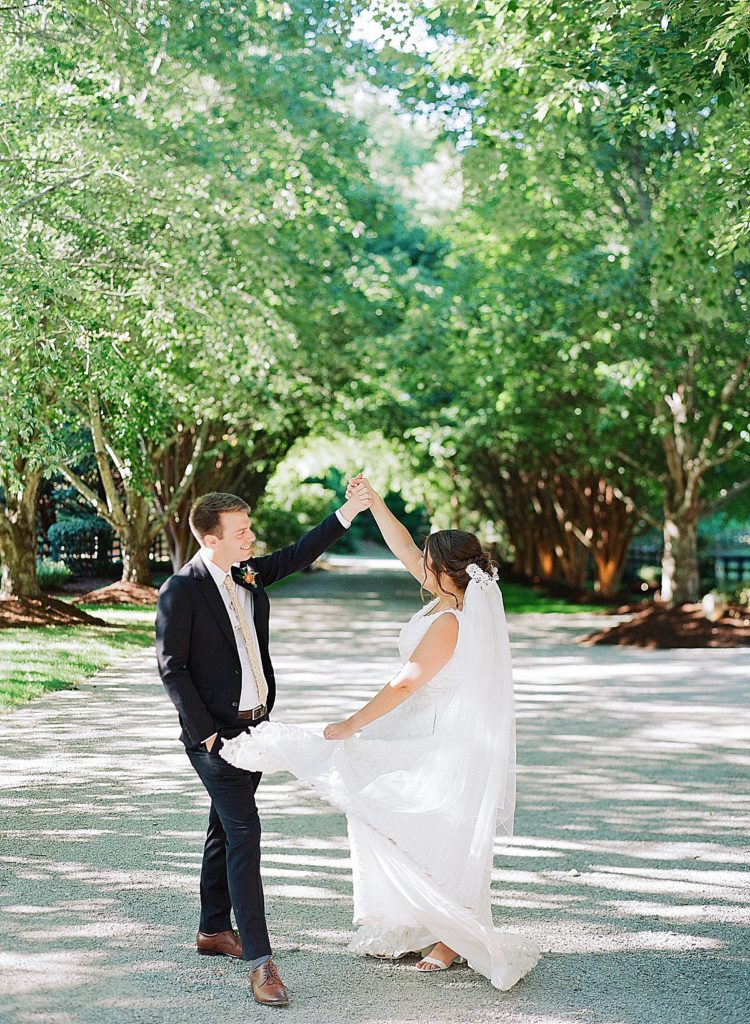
205	512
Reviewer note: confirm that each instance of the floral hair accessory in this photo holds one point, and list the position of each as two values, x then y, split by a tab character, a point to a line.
249	576
481	578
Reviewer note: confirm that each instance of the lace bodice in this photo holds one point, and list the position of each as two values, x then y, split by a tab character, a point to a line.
420	714
412	634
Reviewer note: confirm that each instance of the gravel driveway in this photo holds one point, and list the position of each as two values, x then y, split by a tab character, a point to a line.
629	866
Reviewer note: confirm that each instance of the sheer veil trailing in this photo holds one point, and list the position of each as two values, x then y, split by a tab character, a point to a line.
479	726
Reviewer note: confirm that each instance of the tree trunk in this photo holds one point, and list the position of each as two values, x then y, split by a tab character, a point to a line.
178	541
18	535
552	503
680	582
608	573
612	520
135	541
135	562
557	522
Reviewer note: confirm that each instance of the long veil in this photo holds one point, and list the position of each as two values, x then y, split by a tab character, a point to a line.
480	726
465	777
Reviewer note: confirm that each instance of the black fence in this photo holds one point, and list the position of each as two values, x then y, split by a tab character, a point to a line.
731	568
105	559
158	552
717	570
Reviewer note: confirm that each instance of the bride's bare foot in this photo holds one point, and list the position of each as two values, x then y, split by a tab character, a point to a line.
442	953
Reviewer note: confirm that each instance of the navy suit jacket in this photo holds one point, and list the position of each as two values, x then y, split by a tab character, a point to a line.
195	644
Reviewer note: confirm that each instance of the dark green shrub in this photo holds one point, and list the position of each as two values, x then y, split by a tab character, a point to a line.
83	539
52	574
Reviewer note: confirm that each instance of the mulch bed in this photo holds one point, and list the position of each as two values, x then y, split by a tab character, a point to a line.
120	593
24	612
660	628
76	587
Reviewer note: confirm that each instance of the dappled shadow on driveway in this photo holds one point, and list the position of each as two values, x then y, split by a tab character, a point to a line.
628	866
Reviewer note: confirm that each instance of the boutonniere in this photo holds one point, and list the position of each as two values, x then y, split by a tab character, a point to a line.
248	576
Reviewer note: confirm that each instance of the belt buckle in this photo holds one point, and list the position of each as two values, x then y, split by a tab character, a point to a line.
258	712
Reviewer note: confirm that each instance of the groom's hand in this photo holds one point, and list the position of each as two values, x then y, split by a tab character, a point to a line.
359	498
358	484
351	486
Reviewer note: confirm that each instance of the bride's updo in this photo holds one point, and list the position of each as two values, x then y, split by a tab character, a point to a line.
450	551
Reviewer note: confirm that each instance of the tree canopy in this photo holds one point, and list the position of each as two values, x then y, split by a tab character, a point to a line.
513	236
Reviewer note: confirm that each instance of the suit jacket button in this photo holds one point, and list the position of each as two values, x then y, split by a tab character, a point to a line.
235	703
237	672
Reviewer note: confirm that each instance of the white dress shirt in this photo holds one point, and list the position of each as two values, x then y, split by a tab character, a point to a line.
248	691
342	518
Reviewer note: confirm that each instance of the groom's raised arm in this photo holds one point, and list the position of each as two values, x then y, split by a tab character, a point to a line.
173	619
298	556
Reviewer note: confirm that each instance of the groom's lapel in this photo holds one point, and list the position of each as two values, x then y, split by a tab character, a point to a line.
237	571
210	592
237	577
259	594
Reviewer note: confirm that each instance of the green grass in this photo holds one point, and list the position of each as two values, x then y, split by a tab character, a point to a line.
34	661
519	599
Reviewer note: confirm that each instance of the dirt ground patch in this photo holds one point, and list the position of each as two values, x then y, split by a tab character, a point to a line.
120	593
24	612
659	628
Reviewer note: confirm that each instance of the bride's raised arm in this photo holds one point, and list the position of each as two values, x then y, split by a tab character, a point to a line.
395	534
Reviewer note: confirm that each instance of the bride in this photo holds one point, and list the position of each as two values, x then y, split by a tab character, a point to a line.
425	771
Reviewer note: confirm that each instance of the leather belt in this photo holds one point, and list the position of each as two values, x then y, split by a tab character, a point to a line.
253	715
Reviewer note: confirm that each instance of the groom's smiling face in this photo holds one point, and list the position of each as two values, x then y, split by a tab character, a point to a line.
236	541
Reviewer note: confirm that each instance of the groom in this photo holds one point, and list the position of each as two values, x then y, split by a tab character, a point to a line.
212	649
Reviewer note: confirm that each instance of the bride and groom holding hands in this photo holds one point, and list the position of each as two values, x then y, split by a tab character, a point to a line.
425	771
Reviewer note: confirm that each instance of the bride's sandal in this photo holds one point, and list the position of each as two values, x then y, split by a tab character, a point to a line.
438	965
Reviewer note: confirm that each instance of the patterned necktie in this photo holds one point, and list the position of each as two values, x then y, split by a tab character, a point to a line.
260	681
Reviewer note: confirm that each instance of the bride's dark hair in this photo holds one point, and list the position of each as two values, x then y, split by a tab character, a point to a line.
450	551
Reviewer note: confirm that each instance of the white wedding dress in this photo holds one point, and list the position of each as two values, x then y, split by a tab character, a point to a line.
424	788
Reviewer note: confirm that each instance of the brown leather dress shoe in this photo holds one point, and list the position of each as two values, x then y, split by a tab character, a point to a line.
267	986
222	944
